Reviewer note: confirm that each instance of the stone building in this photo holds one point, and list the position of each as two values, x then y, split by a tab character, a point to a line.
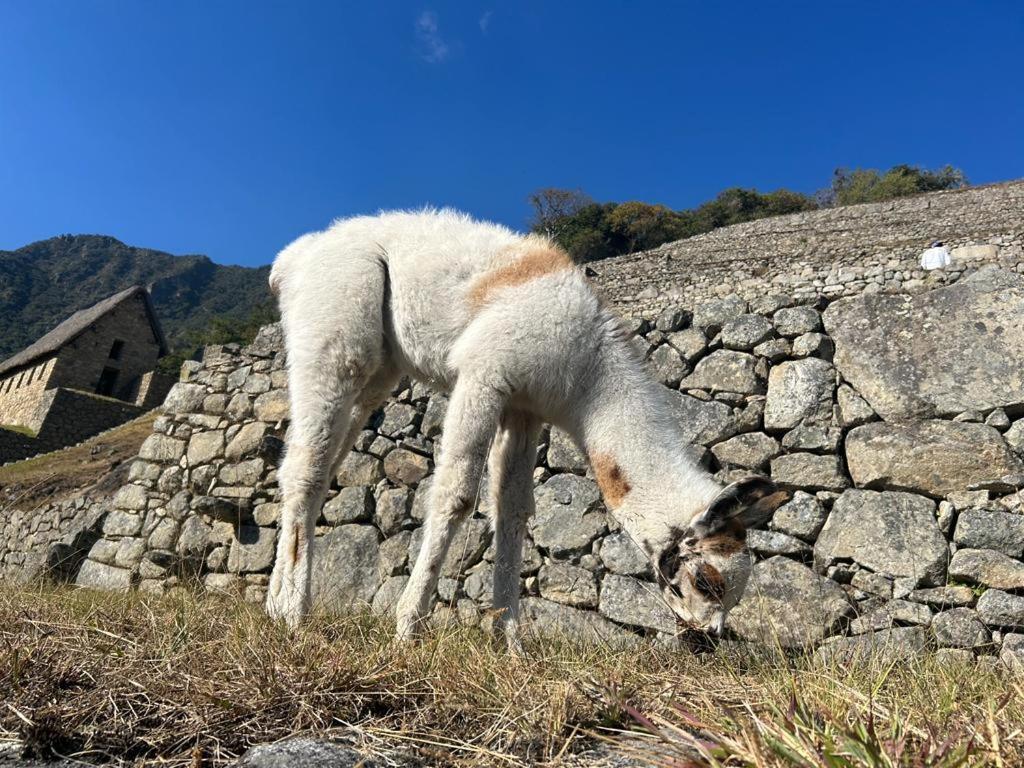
98	356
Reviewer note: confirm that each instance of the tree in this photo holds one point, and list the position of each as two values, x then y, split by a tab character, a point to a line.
222	329
645	226
552	207
871	186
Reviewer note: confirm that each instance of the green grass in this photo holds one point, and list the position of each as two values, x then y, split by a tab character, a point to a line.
43	478
185	681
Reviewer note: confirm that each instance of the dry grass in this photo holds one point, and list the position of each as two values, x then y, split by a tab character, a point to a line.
193	682
34	481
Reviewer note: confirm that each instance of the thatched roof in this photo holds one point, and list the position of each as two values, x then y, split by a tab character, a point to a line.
80	322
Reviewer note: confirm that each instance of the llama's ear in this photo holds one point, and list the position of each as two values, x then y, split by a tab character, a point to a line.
748	502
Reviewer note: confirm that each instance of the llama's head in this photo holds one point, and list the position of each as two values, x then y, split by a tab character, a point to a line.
704	567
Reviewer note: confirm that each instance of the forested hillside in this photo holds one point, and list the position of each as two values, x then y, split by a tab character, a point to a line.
43	283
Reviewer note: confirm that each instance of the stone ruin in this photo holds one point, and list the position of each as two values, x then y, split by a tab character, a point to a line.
896	420
810	347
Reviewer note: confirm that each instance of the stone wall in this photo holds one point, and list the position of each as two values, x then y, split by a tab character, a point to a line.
51	540
896	421
70	417
151	390
836	252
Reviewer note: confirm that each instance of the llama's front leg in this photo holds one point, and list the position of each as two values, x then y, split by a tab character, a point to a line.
468	428
512	460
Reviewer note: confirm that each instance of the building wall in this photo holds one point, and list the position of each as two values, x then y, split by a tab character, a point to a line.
69	417
21	393
152	389
81	362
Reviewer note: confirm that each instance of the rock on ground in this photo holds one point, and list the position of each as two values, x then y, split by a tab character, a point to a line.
307	752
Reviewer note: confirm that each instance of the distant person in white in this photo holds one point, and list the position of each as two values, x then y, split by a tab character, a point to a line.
936	257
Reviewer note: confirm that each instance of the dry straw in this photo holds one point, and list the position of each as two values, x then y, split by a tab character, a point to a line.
188	682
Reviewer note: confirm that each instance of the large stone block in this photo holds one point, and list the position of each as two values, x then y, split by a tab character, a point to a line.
937	353
548	619
631	601
185	398
246	442
896	644
271	406
751	450
1001	609
162	448
960	628
569	515
204	447
809	471
466	550
803	516
347	573
564	455
352	504
931	457
105	577
788	604
895	534
406	467
726	370
620	554
252	549
568	584
991	529
799	392
360	469
704	422
987	567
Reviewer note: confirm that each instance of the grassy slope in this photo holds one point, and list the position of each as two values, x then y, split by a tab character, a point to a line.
197	681
34	481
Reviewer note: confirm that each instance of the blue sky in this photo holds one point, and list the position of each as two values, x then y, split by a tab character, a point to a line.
229	128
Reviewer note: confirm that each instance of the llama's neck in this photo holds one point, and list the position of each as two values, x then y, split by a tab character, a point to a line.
625	422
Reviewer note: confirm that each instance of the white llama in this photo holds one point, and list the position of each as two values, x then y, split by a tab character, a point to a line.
512	329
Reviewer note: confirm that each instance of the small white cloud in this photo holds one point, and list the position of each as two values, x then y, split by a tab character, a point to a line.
485	21
432	46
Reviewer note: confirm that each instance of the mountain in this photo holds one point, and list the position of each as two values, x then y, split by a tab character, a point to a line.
43	283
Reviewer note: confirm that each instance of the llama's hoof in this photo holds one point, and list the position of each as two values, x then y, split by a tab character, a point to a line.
285	604
408	629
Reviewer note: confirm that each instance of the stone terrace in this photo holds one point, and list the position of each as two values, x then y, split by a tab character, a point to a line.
835	252
905	533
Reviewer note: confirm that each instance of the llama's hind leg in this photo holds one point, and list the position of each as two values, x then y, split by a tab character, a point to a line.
335	353
312	447
510	470
473	412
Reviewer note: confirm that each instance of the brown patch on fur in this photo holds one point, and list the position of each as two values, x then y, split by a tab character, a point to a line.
709	582
539	260
726	542
610	479
297	537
